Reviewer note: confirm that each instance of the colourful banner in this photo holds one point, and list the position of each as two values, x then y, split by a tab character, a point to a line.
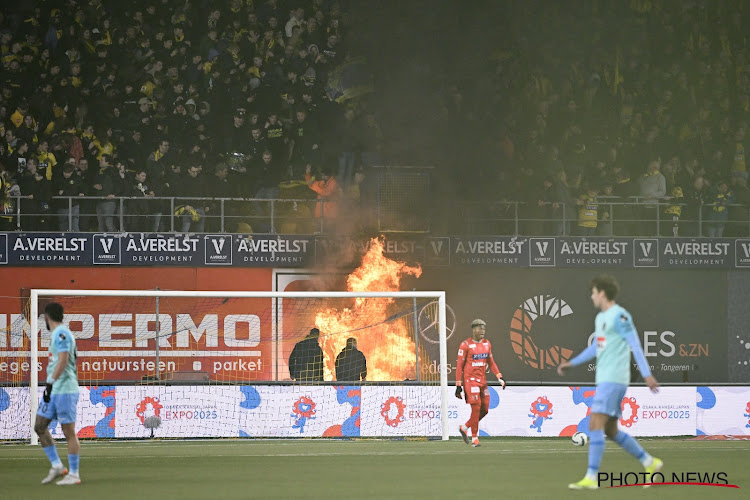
376	411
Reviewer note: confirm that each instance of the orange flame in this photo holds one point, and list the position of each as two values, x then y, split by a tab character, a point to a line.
389	347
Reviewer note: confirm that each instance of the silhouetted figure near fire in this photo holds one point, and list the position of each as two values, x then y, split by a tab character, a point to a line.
306	360
351	365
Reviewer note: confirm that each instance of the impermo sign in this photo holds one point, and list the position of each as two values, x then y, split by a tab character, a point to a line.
125	330
121	346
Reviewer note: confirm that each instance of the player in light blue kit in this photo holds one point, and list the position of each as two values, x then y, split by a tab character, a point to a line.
616	337
60	397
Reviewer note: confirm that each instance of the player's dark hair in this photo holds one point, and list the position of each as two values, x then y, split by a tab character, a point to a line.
54	311
607	284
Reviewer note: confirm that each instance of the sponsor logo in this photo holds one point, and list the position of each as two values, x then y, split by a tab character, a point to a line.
218	250
483	355
162	244
438	252
49	244
49	249
646	253
741	253
148	407
303	410
123	331
502	251
593	247
279	245
3	248
161	249
392	411
274	250
430	251
593	252
747	414
694	253
697	249
542	252
428	322
520	331
631	405
491	247
665	412
541	410
107	249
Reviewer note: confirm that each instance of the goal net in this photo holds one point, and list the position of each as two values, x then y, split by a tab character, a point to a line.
172	364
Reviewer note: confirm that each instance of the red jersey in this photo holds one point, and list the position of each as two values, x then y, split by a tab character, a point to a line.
473	358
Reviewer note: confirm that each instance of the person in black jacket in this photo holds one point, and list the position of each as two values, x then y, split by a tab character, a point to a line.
86	208
269	174
351	365
219	186
306	360
68	184
140	216
36	191
192	212
104	185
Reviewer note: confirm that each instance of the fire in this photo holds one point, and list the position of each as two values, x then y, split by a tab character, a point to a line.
389	347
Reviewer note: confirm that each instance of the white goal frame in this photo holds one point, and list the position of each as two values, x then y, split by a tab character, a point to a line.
36	293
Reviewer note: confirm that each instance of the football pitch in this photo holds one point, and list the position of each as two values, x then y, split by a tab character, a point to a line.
500	468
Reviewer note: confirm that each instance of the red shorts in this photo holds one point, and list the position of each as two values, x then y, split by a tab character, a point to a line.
477	394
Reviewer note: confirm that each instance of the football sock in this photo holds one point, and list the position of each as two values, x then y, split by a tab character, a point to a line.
474	420
51	453
596	452
73	462
629	444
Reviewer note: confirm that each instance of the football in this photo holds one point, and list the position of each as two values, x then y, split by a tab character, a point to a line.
580	439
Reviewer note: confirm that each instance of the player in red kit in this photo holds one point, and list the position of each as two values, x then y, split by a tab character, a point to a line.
474	355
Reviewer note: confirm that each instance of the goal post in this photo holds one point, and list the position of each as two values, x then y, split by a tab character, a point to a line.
347	314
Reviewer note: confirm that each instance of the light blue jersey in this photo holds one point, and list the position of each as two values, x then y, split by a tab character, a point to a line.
615	337
61	340
612	349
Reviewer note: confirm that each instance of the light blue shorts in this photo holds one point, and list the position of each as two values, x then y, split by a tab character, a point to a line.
608	399
61	407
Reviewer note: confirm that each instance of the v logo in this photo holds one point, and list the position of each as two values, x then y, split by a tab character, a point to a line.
218	245
107	245
542	247
645	248
437	246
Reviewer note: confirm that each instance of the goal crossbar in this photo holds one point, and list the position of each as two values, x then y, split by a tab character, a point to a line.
40	292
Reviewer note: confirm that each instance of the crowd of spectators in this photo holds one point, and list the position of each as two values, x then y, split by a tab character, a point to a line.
607	100
596	118
172	99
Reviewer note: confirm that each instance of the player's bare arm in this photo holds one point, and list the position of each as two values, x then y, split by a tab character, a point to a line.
652	383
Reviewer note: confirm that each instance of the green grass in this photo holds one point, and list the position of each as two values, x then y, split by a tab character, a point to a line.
501	468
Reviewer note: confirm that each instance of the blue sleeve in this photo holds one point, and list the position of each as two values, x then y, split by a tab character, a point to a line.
625	328
586	355
62	341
